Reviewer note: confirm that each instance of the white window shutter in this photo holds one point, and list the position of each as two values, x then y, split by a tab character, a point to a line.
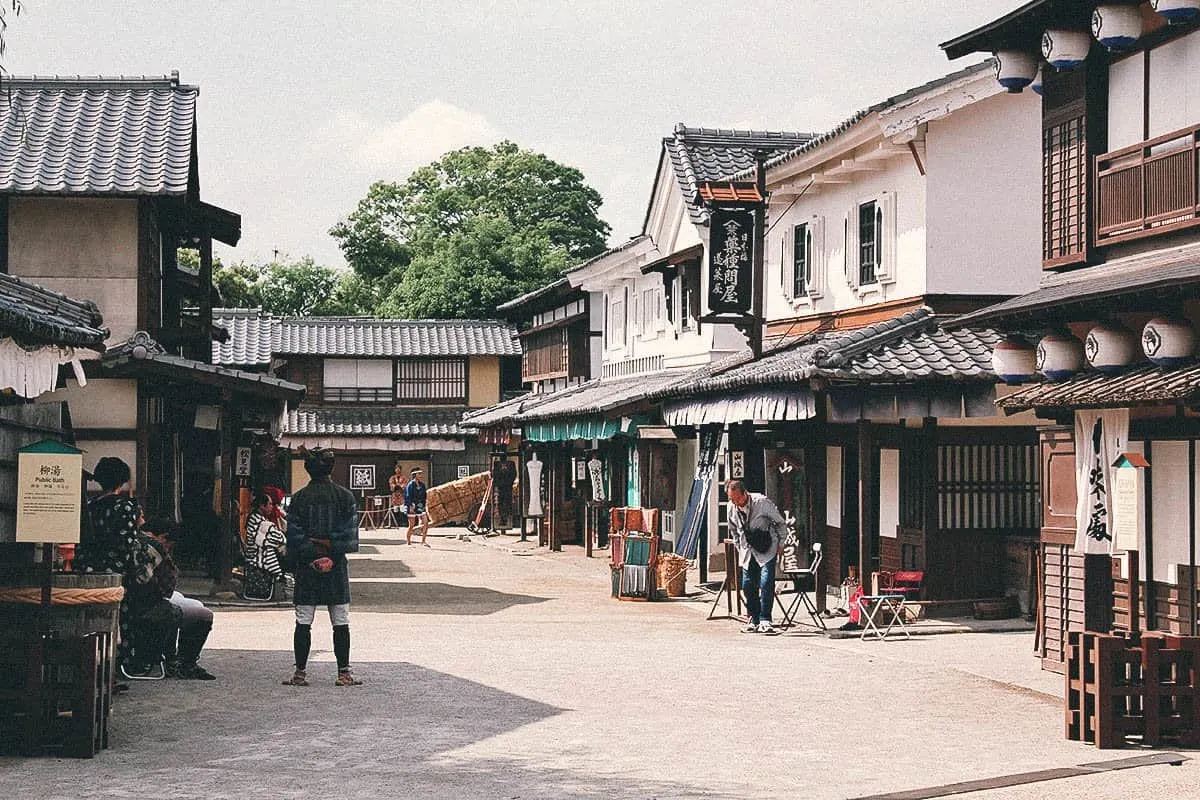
890	238
816	258
852	255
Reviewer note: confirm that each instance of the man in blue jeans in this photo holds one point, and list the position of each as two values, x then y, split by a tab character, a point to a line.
757	528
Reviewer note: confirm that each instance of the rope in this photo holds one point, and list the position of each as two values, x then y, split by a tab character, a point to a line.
62	597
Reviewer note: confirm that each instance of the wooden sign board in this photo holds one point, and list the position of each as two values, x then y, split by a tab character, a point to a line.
362	477
49	493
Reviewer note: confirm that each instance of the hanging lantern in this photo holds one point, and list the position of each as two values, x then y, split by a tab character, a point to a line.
1014	360
1015	69
1177	10
1117	27
1169	341
1065	49
1037	84
1059	356
1110	347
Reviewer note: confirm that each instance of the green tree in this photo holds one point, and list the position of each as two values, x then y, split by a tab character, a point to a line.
238	284
297	288
474	229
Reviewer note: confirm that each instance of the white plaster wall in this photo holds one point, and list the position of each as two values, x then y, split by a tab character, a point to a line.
833	484
889	493
1168	476
1126	91
103	403
685	473
1174	85
983	212
832	203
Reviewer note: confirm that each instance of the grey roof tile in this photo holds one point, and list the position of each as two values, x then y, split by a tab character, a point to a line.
254	337
97	136
1143	385
431	422
32	314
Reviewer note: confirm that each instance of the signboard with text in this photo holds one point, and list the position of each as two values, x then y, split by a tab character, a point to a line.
362	477
1128	501
731	260
49	493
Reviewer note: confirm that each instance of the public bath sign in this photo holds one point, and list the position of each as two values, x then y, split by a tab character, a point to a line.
1128	500
49	492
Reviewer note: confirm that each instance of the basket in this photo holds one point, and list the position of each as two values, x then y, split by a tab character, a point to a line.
672	574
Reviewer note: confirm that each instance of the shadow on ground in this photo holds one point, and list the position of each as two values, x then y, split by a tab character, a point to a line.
379	568
245	735
432	598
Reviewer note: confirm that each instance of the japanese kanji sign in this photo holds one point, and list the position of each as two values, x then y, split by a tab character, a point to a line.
730	260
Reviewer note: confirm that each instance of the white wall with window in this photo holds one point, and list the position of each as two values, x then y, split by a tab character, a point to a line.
357	380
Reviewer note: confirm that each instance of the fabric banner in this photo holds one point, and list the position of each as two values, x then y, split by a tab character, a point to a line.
1100	437
695	516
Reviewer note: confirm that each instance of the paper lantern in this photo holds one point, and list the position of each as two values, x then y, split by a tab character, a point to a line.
1065	49
1111	348
1037	84
1117	27
1059	356
1015	69
1169	341
1177	10
1014	360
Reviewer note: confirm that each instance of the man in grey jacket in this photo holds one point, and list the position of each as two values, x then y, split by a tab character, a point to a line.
757	528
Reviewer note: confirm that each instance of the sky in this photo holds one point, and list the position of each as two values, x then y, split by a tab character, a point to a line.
304	105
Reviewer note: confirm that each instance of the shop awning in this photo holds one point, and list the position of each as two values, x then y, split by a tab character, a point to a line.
588	428
767	405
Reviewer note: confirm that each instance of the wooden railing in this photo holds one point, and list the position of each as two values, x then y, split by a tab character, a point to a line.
1148	188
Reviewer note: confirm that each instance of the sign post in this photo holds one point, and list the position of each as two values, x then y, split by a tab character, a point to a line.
1129	521
49	504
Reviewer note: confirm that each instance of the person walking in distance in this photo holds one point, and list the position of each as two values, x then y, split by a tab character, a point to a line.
322	529
757	528
414	506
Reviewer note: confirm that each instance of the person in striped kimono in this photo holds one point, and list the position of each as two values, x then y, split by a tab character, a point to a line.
265	541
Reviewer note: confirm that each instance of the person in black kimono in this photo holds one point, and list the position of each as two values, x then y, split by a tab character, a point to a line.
322	529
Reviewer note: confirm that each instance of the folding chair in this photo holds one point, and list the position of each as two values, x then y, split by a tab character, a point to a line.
799	578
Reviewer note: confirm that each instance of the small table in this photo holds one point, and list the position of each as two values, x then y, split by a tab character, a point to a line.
877	609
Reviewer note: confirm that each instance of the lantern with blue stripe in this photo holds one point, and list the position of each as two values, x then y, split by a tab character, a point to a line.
1169	341
1176	11
1015	69
1038	83
1117	27
1065	49
1014	360
1111	347
1059	356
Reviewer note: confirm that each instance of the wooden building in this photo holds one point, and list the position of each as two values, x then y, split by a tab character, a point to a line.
1119	299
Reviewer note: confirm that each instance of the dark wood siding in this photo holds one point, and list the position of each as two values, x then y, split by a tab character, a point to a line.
1062	571
1073	130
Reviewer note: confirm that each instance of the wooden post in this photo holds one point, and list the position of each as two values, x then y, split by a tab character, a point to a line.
1134	580
866	508
1148	484
929	466
227	527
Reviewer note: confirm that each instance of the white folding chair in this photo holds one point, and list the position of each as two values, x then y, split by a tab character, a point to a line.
799	579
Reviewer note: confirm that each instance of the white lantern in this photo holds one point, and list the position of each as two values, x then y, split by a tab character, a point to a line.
1037	84
1169	341
1177	10
1059	356
1014	360
1111	348
1015	69
1117	27
1065	49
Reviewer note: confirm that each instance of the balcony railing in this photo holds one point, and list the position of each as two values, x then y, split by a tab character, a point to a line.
1148	188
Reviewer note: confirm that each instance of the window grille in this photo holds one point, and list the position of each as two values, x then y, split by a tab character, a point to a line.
870	225
802	245
431	381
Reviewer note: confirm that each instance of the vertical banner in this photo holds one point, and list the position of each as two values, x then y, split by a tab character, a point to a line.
731	260
1100	437
695	515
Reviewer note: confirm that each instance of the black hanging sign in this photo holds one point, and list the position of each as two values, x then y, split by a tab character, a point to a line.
730	260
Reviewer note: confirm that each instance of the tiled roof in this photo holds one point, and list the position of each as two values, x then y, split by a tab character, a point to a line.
700	155
594	397
440	422
907	348
255	337
34	315
1145	385
97	135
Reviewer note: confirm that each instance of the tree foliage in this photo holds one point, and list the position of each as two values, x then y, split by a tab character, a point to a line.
474	229
290	288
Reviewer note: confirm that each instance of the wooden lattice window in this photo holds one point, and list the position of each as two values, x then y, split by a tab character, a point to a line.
1064	192
431	381
993	487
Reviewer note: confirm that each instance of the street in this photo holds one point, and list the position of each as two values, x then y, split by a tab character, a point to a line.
494	669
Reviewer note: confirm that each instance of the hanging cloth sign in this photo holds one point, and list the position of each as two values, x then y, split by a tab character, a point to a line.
695	514
1100	437
730	260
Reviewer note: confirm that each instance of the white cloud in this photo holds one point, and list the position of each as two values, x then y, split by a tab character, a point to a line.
422	136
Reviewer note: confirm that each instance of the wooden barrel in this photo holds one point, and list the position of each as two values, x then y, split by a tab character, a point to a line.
81	603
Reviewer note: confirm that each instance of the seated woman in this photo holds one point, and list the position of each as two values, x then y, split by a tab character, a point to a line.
193	621
265	544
